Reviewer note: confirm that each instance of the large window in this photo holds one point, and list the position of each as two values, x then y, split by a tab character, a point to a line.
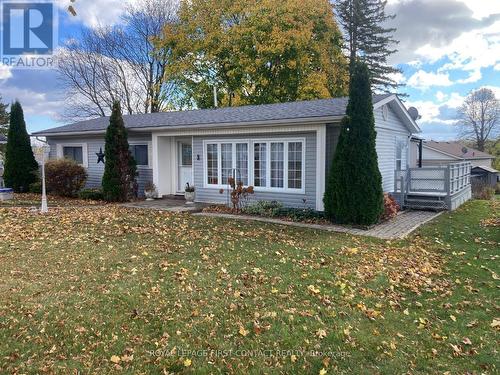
74	153
265	164
140	154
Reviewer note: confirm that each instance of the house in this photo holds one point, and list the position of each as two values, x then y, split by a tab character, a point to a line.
284	150
443	153
3	139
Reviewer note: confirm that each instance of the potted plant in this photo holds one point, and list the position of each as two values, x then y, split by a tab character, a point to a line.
189	194
149	191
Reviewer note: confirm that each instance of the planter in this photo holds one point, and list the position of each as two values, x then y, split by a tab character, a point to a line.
189	196
6	194
149	194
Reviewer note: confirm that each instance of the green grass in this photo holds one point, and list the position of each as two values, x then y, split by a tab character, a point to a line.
82	287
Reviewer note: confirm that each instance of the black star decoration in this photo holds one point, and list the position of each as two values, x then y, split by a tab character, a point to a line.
100	156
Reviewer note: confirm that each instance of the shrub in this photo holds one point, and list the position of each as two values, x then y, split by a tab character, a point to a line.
120	171
263	208
239	194
497	188
91	194
354	192
391	207
36	188
20	165
301	214
65	177
482	191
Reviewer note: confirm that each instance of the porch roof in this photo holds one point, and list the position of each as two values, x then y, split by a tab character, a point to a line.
233	116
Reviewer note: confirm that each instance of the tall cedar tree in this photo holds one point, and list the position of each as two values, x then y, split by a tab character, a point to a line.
367	39
256	52
354	189
20	164
118	182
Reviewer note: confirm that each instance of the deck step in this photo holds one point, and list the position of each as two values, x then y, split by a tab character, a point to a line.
426	204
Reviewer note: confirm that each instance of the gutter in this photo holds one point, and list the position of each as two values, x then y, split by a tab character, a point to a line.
299	121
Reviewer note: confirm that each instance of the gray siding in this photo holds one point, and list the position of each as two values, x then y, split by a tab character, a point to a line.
212	195
388	132
332	138
94	170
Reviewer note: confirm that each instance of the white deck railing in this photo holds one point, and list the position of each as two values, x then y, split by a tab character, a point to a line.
435	181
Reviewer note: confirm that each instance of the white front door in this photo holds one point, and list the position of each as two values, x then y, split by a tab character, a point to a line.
185	165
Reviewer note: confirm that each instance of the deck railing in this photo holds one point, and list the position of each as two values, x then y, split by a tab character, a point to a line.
434	181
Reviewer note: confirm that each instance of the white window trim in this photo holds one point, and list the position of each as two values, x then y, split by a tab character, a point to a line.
150	152
85	154
251	143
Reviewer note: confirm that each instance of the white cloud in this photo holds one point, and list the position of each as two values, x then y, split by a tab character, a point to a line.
440	96
497	67
96	13
423	80
5	72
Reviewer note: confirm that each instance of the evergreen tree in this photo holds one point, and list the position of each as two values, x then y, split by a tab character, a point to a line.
367	39
354	188
20	164
118	181
4	118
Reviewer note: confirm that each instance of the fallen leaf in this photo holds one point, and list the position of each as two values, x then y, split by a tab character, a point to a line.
115	359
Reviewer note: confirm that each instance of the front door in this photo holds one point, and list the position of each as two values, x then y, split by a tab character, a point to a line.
185	165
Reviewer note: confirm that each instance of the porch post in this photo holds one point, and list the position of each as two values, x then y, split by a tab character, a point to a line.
320	166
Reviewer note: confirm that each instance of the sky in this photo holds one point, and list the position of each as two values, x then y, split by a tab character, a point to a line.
447	48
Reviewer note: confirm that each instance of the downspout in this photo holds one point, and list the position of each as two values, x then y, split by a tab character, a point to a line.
420	151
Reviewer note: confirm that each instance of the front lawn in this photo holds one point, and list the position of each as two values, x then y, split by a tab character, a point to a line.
110	290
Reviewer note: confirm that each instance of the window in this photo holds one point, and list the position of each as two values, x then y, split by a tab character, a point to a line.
140	154
226	162
212	164
186	155
242	163
74	153
277	165
400	146
260	164
267	165
295	165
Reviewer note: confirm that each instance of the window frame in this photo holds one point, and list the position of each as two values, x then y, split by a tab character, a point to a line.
148	145
250	163
85	155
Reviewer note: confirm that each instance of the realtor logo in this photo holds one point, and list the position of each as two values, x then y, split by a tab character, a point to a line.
29	33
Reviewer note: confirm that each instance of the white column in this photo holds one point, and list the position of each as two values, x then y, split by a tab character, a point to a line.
320	166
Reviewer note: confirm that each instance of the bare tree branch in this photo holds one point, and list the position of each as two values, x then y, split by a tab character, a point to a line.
120	63
480	117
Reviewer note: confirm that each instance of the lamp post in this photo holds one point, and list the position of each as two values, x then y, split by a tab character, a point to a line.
42	154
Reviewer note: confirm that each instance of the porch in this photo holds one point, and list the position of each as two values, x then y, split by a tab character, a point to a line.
433	188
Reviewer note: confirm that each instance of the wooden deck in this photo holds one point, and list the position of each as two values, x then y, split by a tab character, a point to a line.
439	188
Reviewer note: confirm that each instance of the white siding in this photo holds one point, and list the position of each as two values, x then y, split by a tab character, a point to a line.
388	133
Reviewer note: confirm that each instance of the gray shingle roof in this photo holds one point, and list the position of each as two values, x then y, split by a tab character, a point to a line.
229	115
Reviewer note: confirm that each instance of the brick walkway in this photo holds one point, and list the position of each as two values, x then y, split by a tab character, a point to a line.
398	228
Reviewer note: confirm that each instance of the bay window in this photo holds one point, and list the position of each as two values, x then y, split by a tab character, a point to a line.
268	165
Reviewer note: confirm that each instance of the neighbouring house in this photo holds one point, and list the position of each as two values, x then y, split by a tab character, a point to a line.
442	153
3	139
284	150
